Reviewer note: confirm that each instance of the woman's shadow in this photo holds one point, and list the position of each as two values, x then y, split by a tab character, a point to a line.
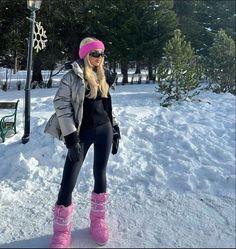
81	238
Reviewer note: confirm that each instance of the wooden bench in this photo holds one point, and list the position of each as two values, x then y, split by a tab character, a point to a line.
8	122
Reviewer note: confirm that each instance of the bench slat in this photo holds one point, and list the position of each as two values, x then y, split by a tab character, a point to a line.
8	105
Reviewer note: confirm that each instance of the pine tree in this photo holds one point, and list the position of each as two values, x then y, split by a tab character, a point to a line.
14	31
134	30
179	71
199	20
221	63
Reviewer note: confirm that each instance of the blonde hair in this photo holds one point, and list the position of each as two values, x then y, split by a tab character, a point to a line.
95	80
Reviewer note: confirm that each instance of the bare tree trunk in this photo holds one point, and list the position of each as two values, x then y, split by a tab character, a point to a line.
124	71
138	70
15	62
114	66
150	71
49	83
37	78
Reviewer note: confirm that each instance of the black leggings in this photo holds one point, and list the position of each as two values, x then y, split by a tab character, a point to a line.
101	137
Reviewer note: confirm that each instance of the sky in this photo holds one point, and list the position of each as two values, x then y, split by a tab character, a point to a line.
172	183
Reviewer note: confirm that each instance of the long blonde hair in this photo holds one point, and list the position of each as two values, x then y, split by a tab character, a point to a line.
95	80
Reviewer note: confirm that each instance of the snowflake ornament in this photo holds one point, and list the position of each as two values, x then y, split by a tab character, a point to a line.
40	37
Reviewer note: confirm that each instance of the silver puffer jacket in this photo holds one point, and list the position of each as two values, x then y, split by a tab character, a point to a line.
68	104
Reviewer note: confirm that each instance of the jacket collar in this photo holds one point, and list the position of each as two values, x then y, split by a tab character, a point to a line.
78	69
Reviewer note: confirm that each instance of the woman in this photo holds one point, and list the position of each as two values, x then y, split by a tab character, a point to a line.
84	117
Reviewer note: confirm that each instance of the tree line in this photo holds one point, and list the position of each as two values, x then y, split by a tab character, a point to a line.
134	31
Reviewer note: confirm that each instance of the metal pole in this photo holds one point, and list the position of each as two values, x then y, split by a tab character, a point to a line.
26	135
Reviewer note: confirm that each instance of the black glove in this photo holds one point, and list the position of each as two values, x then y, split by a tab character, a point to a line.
74	152
116	138
73	146
115	146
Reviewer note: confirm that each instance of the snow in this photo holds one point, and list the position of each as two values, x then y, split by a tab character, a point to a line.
172	183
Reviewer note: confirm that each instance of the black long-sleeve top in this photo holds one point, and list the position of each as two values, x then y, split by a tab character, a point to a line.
94	113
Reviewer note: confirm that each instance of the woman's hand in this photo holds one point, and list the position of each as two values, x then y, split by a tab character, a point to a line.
73	146
116	138
74	152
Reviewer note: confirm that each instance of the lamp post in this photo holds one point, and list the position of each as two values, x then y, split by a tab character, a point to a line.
33	6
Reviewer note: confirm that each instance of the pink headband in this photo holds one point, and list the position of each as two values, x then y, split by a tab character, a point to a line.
85	49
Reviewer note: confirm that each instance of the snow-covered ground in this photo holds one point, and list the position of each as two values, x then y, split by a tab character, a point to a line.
172	183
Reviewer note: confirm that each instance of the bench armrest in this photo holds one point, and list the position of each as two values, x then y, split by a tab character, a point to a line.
5	117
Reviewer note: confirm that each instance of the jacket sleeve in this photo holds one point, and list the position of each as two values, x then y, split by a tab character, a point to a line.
63	106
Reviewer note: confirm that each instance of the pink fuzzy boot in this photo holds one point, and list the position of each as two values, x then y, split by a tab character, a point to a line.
61	226
98	226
